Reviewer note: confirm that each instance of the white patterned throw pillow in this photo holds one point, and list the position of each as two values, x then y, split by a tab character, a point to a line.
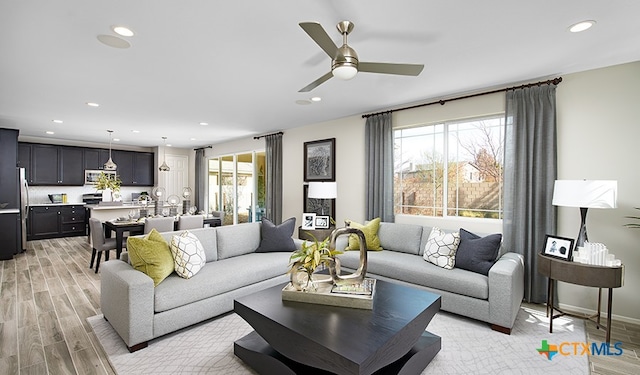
188	254
441	248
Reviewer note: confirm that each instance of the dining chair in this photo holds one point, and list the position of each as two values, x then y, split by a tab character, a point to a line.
190	222
161	224
100	243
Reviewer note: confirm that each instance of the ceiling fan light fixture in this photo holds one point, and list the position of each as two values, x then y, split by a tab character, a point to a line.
345	71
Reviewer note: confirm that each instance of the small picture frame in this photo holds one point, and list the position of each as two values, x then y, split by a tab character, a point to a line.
558	247
308	221
322	222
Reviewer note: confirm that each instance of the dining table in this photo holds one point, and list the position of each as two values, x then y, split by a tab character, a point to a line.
135	227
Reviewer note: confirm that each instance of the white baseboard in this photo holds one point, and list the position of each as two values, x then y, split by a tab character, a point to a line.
582	310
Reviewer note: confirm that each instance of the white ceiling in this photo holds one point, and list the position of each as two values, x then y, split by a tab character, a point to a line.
238	65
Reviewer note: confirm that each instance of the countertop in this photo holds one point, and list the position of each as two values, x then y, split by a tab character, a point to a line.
55	204
124	206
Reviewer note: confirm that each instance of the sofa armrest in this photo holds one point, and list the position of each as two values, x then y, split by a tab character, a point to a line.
506	289
126	300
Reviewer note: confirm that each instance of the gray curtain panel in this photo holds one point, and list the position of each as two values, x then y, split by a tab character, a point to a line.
274	177
201	179
530	172
379	165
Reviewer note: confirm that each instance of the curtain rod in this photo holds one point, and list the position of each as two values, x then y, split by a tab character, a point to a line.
554	81
266	135
202	148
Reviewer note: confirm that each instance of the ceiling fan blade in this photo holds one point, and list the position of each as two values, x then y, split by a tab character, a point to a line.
317	33
316	83
387	68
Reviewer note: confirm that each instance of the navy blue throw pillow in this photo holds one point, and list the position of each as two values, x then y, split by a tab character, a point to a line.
277	237
477	253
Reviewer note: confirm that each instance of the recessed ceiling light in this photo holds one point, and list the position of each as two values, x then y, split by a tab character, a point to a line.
316	99
168	145
113	41
122	30
91	104
116	139
192	139
581	26
135	131
303	102
57	121
204	123
50	132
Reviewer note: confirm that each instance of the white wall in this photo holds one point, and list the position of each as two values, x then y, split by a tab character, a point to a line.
598	131
599	139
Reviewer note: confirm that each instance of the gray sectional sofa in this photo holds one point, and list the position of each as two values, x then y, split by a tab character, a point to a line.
139	312
494	298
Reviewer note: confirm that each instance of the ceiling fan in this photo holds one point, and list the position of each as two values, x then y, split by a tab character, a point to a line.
344	60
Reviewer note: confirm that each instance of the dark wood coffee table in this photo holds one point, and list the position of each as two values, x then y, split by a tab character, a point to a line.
303	338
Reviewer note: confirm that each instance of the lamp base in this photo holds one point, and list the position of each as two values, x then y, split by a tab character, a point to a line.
582	234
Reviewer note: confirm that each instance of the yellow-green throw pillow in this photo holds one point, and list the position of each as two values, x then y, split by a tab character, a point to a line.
151	255
370	231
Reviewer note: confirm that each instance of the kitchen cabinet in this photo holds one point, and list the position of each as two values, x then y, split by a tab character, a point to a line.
9	183
94	158
56	165
24	159
53	221
134	168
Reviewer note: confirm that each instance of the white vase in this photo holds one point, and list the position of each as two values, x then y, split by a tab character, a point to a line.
106	195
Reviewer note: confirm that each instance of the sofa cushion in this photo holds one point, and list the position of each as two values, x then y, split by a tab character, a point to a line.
188	254
477	253
410	268
238	239
151	255
207	237
400	237
276	237
441	248
370	231
220	277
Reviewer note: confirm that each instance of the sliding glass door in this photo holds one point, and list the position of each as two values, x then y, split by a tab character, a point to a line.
237	186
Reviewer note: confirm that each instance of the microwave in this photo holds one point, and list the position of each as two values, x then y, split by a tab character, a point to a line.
91	176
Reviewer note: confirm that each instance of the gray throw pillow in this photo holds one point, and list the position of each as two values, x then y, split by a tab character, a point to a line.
477	253
276	238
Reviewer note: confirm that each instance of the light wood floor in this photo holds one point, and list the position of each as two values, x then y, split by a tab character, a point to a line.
47	293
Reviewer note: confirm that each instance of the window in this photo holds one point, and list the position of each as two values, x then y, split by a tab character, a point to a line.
450	169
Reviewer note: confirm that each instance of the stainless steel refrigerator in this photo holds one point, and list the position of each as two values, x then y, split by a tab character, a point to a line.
24	206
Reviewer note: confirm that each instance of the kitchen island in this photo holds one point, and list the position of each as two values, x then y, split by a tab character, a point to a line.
110	212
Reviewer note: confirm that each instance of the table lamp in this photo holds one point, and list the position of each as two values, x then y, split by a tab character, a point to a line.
323	190
585	194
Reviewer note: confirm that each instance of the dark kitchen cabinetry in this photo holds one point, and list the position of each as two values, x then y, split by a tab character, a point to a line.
65	165
55	165
52	221
94	158
134	168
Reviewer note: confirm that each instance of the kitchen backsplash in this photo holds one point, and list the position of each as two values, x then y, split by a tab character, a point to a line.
40	194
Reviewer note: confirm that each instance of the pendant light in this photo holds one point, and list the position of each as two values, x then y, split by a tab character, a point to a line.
110	165
164	167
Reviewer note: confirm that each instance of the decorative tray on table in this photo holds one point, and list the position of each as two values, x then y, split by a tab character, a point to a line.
359	296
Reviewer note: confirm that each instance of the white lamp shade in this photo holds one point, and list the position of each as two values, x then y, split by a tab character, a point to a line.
323	190
585	193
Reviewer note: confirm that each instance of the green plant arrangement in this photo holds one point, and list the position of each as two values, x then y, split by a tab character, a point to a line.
105	181
633	225
307	259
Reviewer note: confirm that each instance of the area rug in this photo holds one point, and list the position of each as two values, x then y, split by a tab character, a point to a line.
468	347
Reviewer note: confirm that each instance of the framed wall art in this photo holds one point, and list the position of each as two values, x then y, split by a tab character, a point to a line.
322	222
320	160
318	206
558	247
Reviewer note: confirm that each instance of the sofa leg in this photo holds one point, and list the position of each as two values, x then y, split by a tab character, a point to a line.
137	347
501	329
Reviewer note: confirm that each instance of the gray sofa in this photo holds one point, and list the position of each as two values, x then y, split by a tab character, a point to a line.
494	299
139	312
